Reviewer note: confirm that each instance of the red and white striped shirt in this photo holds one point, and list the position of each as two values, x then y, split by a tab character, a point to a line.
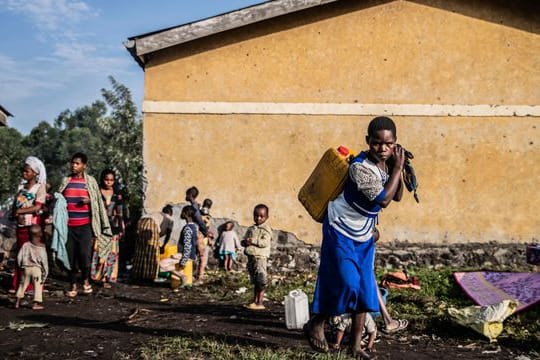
75	191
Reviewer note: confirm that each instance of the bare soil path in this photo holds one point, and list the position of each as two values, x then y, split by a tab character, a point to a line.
117	321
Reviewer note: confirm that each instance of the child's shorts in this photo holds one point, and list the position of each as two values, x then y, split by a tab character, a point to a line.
256	267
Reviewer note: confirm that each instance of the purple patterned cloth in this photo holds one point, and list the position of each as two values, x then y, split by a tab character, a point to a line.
489	287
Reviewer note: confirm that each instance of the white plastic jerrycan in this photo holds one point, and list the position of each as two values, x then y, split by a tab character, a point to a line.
296	309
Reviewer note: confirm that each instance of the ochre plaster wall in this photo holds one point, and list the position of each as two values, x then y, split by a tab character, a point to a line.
477	174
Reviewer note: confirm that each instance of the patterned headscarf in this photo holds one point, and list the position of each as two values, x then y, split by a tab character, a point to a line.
37	166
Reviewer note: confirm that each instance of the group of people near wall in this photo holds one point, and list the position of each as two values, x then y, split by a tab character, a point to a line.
154	233
198	240
82	232
82	223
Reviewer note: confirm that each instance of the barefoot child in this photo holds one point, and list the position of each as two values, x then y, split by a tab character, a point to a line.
257	241
228	244
32	259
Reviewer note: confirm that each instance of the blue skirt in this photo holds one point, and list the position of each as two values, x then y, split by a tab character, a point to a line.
346	281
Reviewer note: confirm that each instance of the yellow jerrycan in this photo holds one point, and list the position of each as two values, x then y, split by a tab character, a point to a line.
325	182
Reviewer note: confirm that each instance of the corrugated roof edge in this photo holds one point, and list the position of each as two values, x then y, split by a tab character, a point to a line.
147	43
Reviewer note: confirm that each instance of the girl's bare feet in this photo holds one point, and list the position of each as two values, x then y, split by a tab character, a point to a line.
314	331
37	306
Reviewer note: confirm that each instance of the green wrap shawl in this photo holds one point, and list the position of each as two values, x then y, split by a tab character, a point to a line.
101	228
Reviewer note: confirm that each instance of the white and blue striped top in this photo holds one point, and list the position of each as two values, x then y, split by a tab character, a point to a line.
354	212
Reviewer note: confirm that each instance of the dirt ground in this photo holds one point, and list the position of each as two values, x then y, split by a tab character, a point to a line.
117	321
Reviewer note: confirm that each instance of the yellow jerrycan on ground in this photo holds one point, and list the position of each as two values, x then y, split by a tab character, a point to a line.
325	182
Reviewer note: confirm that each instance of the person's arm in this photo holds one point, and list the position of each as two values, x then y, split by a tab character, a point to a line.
44	266
187	236
21	255
198	218
394	183
168	233
29	210
399	192
12	214
119	212
38	203
237	244
202	226
263	240
246	241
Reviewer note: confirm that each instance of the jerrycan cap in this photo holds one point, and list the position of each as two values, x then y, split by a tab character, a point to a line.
343	150
295	293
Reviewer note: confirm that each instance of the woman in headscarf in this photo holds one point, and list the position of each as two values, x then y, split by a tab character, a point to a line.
27	206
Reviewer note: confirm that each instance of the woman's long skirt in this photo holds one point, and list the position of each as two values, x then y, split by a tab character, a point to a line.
346	280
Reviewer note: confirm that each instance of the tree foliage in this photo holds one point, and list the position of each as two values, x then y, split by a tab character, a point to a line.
109	132
12	154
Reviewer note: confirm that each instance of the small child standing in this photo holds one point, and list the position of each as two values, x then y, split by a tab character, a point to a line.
32	259
228	244
342	323
187	245
257	242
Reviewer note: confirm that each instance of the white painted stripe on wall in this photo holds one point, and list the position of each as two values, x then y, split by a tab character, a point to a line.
269	108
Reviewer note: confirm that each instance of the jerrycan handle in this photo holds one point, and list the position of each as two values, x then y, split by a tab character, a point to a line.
343	150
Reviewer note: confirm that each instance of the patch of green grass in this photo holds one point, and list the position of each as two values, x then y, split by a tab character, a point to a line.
204	348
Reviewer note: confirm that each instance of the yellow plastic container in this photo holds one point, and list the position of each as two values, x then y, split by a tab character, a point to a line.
168	251
182	277
325	182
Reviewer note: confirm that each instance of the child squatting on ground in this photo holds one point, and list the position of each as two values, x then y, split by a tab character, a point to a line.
342	323
32	259
257	242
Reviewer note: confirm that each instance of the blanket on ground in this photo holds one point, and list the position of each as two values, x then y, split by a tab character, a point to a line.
490	287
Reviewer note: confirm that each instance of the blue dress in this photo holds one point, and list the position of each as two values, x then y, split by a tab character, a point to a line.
346	280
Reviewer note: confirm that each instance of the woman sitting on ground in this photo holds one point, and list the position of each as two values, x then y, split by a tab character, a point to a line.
150	229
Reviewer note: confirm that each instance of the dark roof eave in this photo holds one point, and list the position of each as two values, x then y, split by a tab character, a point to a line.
131	47
3	109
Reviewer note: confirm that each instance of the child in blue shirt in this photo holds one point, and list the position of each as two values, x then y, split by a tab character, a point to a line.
187	246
